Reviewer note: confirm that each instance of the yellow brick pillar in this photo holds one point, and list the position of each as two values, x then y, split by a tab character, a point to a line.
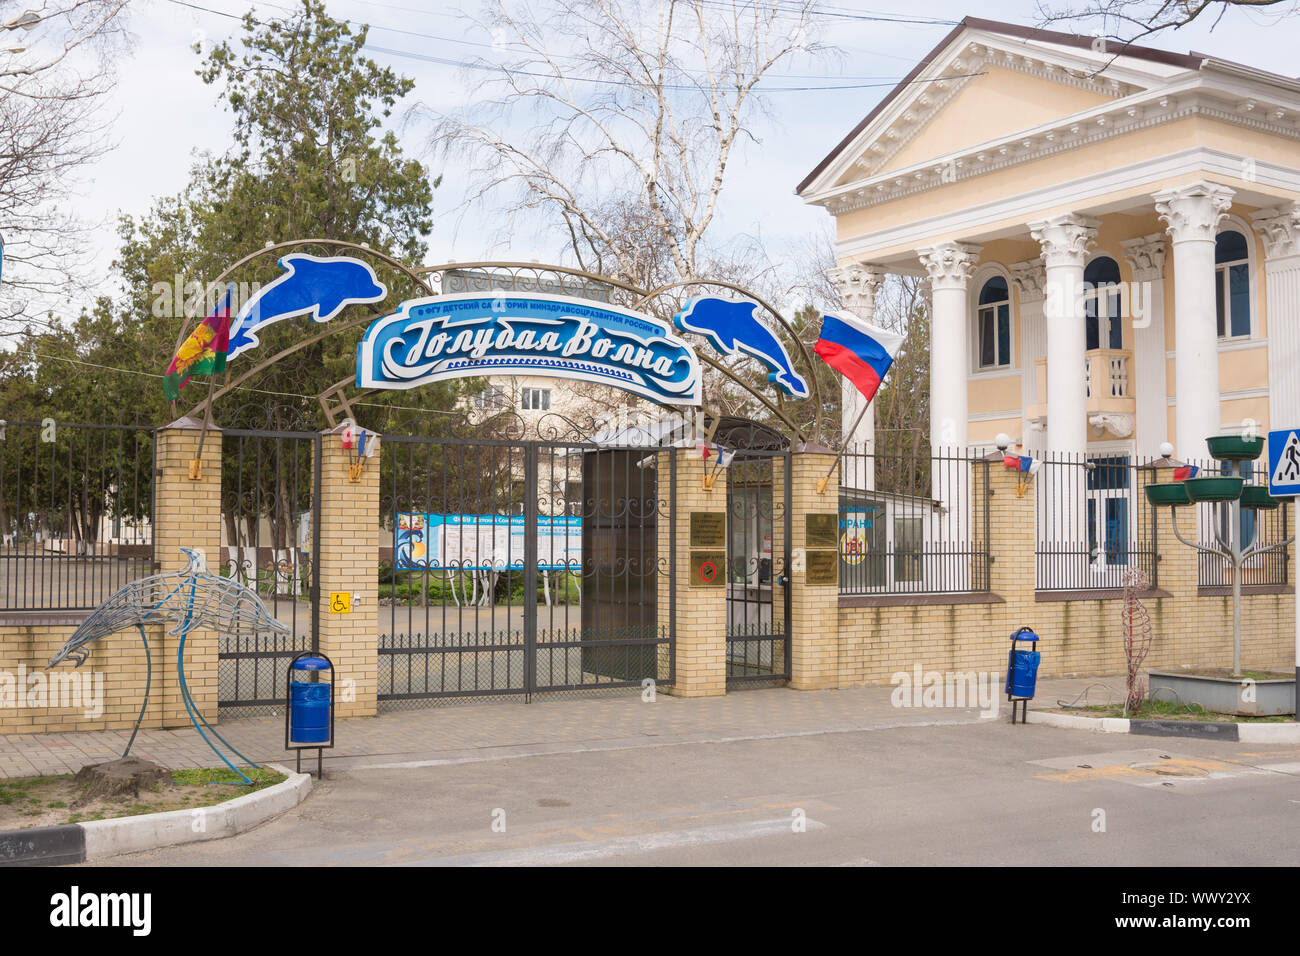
814	572
187	513
697	597
349	574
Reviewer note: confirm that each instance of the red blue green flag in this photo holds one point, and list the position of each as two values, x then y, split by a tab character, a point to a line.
204	352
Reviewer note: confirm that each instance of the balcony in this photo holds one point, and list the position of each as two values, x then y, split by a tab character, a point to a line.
1110	405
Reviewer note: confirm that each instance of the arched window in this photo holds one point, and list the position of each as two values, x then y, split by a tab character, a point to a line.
1232	284
1101	304
994	324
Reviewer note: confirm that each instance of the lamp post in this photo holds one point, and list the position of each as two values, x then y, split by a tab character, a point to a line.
1228	490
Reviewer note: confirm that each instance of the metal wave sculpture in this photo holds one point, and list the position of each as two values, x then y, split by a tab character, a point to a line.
191	599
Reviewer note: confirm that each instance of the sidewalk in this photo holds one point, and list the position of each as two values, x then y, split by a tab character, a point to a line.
458	733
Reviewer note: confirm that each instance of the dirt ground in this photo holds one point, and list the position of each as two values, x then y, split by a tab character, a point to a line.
51	800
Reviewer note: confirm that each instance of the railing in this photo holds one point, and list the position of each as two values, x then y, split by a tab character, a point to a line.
1106	378
913	524
1257	527
76	512
1092	522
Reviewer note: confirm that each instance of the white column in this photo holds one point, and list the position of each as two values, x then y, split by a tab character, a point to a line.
858	284
1146	304
1280	229
949	265
1065	240
1031	279
1192	215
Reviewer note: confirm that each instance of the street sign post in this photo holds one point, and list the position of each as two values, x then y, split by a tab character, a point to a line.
1284	462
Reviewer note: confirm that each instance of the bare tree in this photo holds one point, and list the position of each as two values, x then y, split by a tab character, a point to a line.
618	119
1135	19
56	64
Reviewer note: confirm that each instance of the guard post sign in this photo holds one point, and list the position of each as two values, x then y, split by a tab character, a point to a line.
1284	462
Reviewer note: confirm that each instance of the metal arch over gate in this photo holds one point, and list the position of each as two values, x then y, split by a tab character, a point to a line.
518	567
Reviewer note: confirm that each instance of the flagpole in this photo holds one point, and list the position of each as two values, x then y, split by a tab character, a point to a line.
821	485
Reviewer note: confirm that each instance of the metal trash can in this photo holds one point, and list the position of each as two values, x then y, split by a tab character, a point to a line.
309	707
1022	671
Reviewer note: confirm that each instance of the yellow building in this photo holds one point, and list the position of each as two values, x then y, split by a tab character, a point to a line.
1112	238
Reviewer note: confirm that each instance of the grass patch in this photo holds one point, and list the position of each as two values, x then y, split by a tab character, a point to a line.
1170	710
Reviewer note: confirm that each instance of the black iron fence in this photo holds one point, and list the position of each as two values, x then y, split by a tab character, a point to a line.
1092	520
913	523
1259	528
76	512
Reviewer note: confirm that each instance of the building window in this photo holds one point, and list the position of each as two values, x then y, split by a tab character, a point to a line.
535	399
1108	512
909	546
494	396
1232	284
1102	307
994	324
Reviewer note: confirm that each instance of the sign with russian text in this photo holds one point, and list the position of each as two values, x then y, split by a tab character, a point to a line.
471	334
461	542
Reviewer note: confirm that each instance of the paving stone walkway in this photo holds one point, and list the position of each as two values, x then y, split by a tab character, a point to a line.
498	730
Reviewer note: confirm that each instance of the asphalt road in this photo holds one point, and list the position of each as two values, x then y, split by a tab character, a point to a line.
978	793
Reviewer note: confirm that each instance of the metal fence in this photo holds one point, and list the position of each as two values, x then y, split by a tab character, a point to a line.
913	524
1093	522
76	512
1258	528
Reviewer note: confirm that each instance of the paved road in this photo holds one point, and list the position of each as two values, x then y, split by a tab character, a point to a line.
966	793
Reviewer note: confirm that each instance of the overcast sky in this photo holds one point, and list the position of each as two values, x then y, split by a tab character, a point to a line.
165	113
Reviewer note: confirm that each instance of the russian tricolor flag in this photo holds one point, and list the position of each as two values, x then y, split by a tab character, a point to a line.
1022	463
1187	471
859	351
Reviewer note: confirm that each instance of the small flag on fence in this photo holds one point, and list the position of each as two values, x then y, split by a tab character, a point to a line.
1022	463
1187	471
859	351
204	352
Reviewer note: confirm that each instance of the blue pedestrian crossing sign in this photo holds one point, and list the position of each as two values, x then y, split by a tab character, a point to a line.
1284	462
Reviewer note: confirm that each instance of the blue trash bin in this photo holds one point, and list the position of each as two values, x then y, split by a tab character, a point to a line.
1022	670
309	710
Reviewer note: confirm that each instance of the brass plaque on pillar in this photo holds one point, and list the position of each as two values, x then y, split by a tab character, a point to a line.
708	569
822	530
708	529
822	567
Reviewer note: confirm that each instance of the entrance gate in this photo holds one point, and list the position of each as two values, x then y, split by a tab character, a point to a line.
516	567
270	500
758	559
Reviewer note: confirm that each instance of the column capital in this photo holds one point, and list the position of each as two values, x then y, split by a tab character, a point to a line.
858	283
1065	239
949	264
1146	256
1031	279
1280	229
1192	213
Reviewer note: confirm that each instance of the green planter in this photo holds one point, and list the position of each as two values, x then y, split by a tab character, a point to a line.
1168	494
1235	447
1214	489
1258	498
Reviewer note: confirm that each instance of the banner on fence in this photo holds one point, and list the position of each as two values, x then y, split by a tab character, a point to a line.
485	542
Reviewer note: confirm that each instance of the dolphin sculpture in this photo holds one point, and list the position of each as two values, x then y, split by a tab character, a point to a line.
190	599
311	285
732	328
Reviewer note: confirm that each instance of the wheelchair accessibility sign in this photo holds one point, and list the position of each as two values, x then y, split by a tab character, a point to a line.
1284	462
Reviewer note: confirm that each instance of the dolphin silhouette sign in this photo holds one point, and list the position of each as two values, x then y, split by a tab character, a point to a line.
311	285
732	328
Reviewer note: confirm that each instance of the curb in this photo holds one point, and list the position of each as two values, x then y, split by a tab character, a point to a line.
1288	733
100	839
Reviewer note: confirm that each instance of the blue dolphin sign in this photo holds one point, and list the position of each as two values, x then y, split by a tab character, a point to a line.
470	334
311	285
732	328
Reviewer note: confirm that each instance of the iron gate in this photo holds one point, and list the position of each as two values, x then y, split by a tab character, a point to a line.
758	559
517	567
270	495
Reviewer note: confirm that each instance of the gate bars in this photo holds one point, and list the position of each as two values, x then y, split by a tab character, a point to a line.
518	567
